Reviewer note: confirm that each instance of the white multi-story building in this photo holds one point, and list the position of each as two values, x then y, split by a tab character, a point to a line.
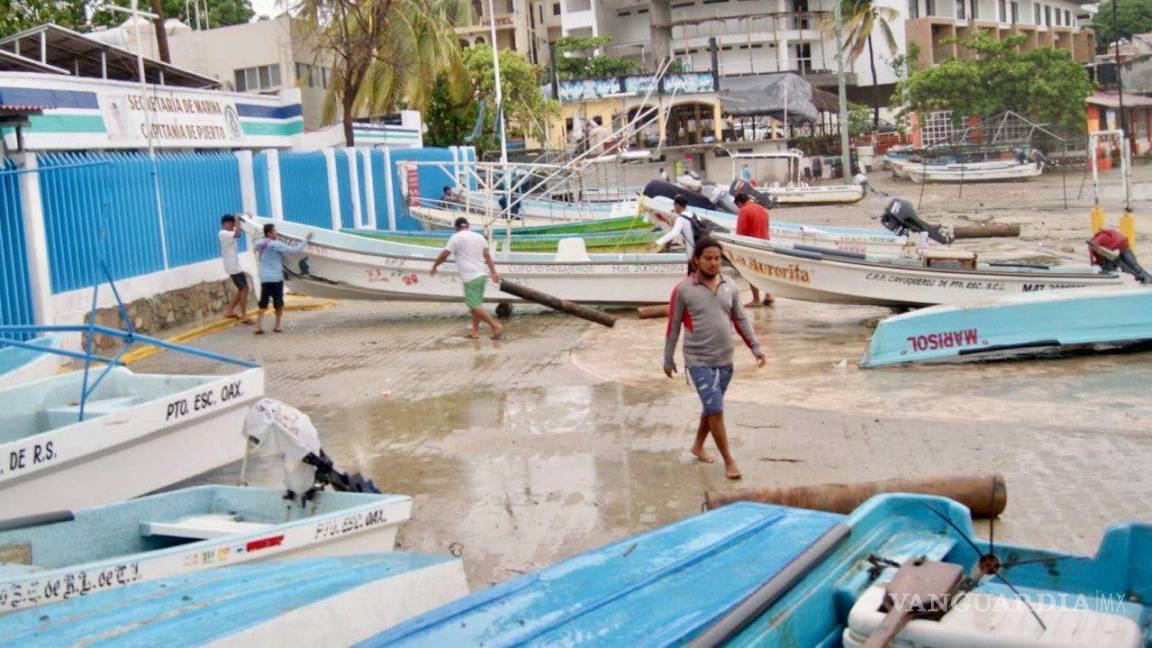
768	36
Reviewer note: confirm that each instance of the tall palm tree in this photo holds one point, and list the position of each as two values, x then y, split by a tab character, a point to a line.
861	19
387	53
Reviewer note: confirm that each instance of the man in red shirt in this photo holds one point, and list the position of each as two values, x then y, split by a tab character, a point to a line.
752	220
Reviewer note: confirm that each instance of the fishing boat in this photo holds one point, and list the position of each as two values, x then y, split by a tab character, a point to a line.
339	265
1008	326
29	361
551	209
974	172
865	241
441	217
317	601
620	241
764	575
132	434
57	556
932	276
795	191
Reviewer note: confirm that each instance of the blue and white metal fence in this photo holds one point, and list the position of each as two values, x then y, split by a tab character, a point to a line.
90	206
15	287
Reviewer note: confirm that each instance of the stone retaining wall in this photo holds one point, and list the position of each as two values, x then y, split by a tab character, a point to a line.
157	315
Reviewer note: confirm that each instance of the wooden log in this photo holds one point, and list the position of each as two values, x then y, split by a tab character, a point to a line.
985	495
652	312
555	303
986	230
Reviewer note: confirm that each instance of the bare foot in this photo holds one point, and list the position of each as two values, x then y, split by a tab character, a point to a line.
752	304
702	455
769	300
472	336
498	333
731	471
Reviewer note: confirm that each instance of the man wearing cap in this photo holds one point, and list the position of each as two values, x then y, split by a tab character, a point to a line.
682	228
474	265
752	220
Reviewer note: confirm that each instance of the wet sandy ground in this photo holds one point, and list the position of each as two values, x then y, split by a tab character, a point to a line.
567	436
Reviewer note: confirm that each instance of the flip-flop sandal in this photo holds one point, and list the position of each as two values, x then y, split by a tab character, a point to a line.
499	336
235	317
277	331
258	332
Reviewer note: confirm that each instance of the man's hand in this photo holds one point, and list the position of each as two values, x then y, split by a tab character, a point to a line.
432	272
760	359
309	235
495	277
669	370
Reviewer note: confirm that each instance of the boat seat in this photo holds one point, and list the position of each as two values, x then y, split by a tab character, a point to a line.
67	415
13	570
201	527
571	250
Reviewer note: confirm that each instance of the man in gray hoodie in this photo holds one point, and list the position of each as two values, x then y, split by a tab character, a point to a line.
707	306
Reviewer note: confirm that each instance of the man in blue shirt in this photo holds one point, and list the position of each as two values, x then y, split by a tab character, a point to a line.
271	254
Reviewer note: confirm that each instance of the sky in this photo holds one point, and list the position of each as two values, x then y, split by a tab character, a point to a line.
268	7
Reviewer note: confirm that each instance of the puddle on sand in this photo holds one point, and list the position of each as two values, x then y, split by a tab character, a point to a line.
813	351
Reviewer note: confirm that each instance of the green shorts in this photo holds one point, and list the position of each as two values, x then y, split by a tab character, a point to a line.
474	292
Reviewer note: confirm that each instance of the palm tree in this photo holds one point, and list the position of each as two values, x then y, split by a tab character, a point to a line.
861	19
388	53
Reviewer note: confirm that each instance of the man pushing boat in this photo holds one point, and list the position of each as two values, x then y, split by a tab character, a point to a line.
471	254
708	306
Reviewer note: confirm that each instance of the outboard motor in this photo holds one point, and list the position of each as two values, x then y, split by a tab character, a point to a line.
1111	250
656	188
286	435
741	186
900	217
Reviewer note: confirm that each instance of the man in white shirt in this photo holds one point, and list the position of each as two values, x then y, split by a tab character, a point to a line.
682	228
474	265
228	235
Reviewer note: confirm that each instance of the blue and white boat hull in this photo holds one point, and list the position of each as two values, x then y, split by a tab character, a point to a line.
311	602
1014	324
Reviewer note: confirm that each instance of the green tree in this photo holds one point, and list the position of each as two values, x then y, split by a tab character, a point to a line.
858	119
861	19
526	108
388	53
576	58
221	13
1044	83
18	15
1132	17
450	119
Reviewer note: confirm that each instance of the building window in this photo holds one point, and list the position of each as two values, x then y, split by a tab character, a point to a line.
1068	18
555	8
1015	12
960	10
1003	11
1048	16
974	13
930	7
913	9
1036	15
312	76
254	79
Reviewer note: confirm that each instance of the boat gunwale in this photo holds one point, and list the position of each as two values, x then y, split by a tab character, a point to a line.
767	247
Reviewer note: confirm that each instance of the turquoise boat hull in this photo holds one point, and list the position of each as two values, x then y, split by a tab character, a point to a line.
753	574
278	603
1007	326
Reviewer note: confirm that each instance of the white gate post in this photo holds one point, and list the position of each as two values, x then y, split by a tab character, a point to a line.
389	189
333	188
369	190
35	239
247	182
354	181
274	195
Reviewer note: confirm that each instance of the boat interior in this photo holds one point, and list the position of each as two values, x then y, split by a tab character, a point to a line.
157	522
13	358
53	403
756	574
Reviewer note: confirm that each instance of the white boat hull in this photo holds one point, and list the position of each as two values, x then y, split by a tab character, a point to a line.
125	454
816	195
845	281
863	241
360	530
381	270
973	173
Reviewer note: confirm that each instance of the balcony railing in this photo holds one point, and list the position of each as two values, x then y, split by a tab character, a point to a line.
740	26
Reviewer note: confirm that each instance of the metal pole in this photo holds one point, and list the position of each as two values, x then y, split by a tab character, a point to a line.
845	158
1119	81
